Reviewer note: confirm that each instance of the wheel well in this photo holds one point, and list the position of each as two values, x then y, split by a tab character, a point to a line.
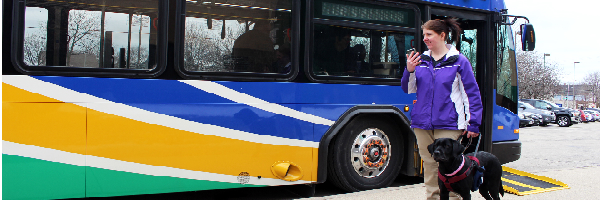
390	114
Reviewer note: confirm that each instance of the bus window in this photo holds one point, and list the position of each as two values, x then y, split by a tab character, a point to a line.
249	36
354	40
506	74
345	51
90	34
468	47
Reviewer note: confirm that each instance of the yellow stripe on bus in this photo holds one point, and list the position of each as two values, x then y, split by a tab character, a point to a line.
120	138
13	94
59	126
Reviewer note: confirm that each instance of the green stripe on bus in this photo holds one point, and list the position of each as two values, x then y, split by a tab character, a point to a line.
104	183
29	178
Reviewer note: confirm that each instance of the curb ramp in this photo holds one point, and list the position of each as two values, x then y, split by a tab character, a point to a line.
523	183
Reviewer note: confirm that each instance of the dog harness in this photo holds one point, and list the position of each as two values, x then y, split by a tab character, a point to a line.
449	179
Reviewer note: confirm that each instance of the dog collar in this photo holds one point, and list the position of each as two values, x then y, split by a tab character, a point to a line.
459	167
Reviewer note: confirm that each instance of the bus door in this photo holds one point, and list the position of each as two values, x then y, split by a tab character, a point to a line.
474	45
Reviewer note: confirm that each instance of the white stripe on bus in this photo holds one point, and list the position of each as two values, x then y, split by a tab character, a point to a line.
238	97
53	155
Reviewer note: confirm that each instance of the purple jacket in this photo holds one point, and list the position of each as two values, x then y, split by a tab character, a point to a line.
447	94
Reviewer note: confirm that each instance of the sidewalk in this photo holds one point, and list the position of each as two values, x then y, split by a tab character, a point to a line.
582	182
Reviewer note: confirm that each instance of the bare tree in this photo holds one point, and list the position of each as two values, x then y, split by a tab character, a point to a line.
537	81
139	57
34	47
592	80
205	49
84	33
141	21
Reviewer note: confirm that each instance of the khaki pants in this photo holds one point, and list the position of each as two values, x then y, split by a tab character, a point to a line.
430	167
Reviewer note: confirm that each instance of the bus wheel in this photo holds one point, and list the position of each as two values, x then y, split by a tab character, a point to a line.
366	154
564	121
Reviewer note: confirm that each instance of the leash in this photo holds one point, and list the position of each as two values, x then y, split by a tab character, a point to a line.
469	144
477	146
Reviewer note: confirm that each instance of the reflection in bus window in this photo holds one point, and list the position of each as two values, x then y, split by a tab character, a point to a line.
90	34
506	74
232	36
342	51
468	47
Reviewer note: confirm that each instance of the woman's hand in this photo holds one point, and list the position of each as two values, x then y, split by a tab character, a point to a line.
412	61
470	134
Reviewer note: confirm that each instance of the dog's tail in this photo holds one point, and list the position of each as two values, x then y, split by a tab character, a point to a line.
501	189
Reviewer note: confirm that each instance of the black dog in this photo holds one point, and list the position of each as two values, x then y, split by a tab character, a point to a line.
456	170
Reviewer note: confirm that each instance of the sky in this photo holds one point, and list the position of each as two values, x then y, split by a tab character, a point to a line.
567	30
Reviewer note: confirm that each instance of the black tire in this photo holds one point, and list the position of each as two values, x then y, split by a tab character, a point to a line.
544	124
563	121
344	167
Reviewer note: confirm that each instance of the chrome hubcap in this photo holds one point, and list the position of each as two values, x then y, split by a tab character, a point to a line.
370	153
562	121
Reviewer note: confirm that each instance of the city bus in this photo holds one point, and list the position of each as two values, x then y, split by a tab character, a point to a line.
110	98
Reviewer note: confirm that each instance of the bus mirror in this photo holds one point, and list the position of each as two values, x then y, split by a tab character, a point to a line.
527	37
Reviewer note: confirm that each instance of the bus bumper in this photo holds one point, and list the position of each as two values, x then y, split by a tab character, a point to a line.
507	151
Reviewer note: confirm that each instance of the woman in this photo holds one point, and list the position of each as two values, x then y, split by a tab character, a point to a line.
448	100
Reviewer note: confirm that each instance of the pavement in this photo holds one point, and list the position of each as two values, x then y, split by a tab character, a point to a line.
578	179
567	154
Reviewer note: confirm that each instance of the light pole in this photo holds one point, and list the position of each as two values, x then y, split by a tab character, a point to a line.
574	81
567	96
545	54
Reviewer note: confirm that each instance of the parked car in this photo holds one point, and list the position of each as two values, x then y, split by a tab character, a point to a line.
584	118
564	116
524	121
595	114
546	115
594	109
531	119
537	119
590	115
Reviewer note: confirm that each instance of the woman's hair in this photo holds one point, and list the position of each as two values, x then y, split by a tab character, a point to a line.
448	25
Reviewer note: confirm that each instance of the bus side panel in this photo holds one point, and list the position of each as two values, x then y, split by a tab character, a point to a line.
155	136
43	147
504	125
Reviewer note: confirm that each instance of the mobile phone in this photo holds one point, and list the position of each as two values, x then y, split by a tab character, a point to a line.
410	50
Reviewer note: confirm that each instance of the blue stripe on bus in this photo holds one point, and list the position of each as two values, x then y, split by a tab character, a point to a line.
136	90
171	91
242	117
316	93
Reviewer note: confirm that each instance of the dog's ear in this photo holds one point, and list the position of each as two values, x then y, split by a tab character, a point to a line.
457	148
431	147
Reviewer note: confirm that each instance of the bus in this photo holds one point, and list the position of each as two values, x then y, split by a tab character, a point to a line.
111	98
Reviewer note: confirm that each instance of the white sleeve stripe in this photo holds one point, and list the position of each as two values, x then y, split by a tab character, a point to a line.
461	102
